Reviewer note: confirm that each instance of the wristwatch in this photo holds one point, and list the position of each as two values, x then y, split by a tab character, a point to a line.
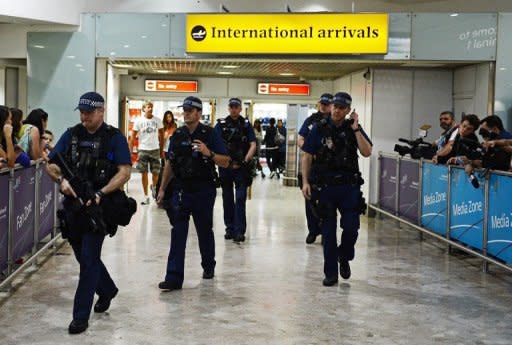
212	154
357	129
100	193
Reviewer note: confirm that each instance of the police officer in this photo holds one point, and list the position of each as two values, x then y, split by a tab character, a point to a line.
334	172
193	151
98	154
240	141
324	111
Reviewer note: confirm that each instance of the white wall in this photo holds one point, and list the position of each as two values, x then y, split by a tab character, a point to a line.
14	37
2	85
54	11
471	90
403	100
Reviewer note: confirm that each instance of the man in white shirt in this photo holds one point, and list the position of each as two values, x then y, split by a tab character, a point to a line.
445	142
149	131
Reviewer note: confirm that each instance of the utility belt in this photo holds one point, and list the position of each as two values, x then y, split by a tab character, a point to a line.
194	185
340	179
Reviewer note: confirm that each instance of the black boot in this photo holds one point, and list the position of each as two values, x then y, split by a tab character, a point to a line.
78	326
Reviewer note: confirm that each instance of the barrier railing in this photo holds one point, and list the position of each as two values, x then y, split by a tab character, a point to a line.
29	200
441	201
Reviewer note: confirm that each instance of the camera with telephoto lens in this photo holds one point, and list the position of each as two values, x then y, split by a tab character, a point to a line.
416	148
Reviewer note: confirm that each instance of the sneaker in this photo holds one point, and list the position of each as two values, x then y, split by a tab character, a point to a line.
153	191
78	326
169	286
272	174
263	175
208	274
345	269
104	303
330	281
145	201
311	238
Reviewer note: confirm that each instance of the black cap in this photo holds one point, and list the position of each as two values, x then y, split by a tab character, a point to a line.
235	101
89	101
192	101
343	99
326	98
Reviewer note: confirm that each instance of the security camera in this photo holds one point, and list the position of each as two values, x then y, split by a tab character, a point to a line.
367	75
135	76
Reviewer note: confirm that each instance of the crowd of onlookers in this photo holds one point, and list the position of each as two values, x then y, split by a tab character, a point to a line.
460	145
23	139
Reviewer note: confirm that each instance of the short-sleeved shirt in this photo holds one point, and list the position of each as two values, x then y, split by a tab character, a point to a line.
118	143
214	142
313	142
309	123
147	132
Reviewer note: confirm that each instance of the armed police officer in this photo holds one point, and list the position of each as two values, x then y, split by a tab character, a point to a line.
193	152
324	111
96	154
240	141
332	179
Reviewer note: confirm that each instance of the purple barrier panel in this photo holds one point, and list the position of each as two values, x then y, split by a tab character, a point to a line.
387	187
46	203
408	192
4	219
23	208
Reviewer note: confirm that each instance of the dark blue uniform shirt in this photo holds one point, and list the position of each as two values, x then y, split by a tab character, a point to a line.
214	142
120	154
251	137
313	142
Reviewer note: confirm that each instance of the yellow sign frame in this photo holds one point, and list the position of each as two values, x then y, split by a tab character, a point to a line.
287	33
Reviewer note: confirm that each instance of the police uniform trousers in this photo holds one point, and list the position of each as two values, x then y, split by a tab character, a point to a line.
312	220
198	203
234	205
345	199
94	277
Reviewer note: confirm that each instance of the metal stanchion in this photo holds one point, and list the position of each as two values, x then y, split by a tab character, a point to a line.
55	219
420	195
37	186
397	190
448	210
486	223
11	223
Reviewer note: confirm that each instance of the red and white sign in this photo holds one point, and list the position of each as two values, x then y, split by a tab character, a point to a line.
171	85
283	89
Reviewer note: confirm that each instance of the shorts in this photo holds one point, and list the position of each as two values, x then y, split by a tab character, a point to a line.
151	158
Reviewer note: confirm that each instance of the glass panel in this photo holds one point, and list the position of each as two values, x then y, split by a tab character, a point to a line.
503	89
178	24
455	36
61	67
399	41
132	35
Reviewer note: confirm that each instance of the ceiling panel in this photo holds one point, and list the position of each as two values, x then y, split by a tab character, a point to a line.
282	69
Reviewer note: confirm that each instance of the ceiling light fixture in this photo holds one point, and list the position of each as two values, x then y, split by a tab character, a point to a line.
454	15
503	68
39	46
230	66
161	71
287	74
224	72
120	65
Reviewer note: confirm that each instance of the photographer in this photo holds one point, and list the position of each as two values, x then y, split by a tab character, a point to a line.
494	126
454	151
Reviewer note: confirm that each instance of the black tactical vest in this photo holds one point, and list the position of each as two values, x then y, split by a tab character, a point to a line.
339	150
90	156
190	166
234	134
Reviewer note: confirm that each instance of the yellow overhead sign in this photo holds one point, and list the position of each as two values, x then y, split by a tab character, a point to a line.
323	33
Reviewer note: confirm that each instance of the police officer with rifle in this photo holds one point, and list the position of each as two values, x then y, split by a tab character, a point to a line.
332	178
91	162
240	141
190	174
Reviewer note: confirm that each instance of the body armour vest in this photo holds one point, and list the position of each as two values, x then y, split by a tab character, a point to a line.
338	153
189	165
234	135
315	118
90	156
